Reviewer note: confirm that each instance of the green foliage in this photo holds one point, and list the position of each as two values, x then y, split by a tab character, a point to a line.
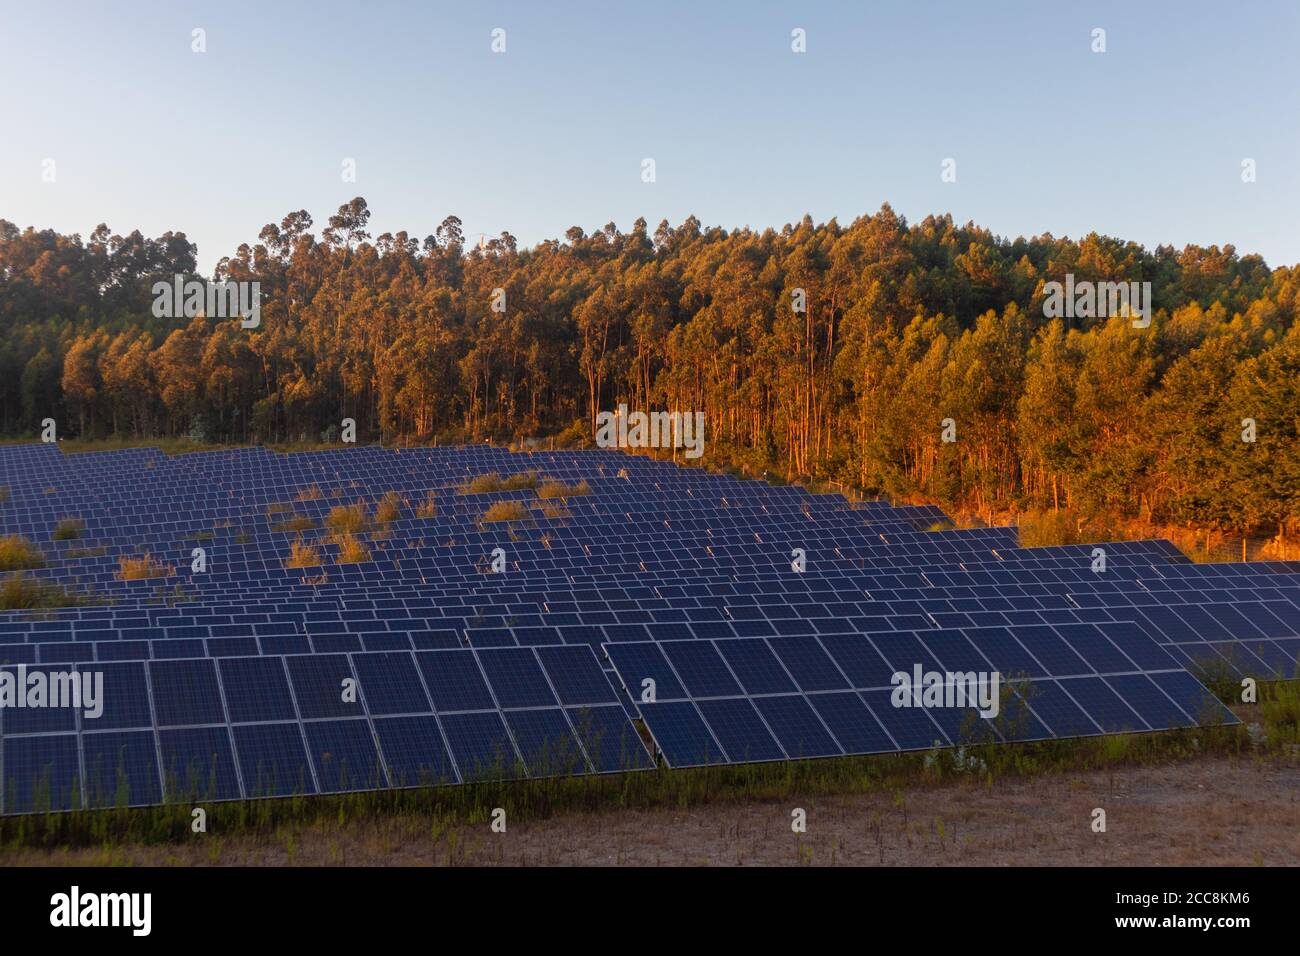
907	325
17	553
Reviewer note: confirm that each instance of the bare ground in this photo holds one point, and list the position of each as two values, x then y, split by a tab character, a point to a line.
1214	811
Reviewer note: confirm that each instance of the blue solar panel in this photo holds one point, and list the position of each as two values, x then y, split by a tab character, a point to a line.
121	769
546	742
797	726
454	680
391	683
186	692
516	678
481	746
682	735
344	755
740	730
198	763
273	760
256	689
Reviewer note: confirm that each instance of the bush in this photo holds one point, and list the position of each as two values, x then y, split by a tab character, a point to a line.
347	519
294	523
352	550
428	508
18	554
483	484
558	489
69	529
389	508
505	511
302	555
143	566
21	593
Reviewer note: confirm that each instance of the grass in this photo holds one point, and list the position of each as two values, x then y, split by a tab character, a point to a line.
310	494
347	519
554	509
302	555
19	554
276	508
21	593
428	508
141	567
4	493
96	552
69	529
388	508
486	484
538	798
352	550
294	523
505	511
558	489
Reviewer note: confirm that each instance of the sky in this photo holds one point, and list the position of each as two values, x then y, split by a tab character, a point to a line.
1144	141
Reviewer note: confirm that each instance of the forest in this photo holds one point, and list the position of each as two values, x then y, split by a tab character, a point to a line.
1190	421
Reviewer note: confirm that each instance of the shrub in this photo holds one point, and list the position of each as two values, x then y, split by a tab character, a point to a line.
294	523
310	494
21	593
302	555
389	508
428	508
505	511
347	519
352	550
525	479
69	529
17	554
142	566
558	489
482	484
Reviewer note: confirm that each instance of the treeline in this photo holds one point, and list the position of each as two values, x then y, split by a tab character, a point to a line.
902	327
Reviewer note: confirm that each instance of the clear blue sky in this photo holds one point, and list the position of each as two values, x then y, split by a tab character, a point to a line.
1143	142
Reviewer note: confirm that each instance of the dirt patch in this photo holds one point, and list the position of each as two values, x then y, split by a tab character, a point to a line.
1209	812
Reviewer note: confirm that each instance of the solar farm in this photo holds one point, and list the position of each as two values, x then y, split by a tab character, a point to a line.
639	615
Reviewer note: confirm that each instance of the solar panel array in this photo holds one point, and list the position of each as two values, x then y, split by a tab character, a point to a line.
668	616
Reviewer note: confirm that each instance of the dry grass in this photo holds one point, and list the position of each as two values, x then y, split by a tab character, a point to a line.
294	523
428	508
485	484
21	593
352	550
348	519
558	489
276	508
141	567
505	511
19	554
388	508
302	555
554	509
310	494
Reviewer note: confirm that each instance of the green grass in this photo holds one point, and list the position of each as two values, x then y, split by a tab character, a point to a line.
661	788
96	552
69	529
294	523
21	593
